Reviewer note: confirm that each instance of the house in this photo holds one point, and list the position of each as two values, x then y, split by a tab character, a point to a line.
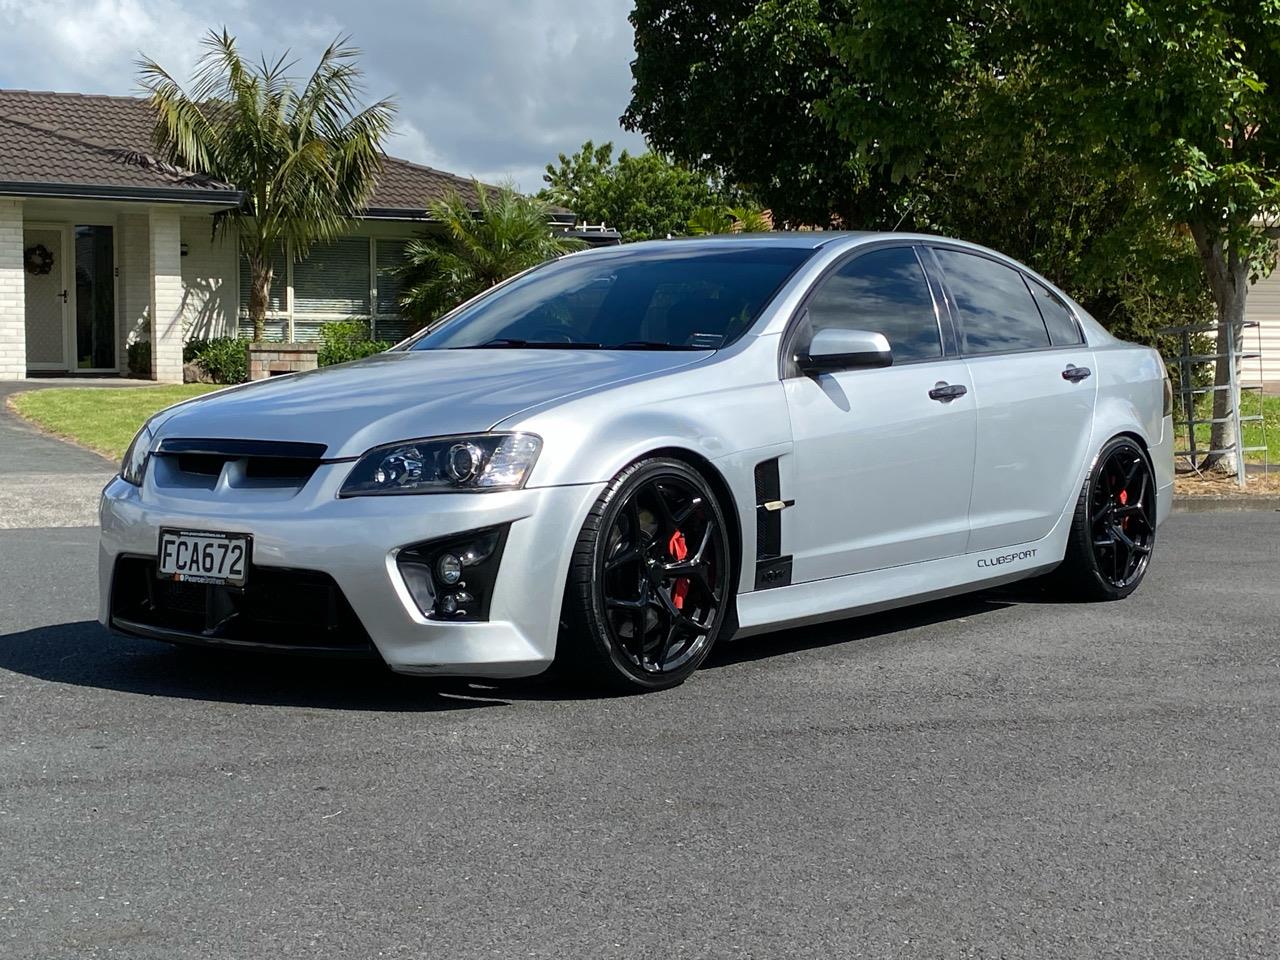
102	245
1263	306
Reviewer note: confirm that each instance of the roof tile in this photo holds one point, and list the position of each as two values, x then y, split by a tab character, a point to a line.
101	141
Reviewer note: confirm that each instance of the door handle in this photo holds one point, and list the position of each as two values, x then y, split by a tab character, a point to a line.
63	295
945	392
1076	374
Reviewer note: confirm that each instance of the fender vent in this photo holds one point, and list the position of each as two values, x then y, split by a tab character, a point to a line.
772	569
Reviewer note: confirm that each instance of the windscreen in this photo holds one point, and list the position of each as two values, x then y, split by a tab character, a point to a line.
665	298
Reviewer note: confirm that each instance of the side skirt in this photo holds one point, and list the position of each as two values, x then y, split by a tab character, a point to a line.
818	601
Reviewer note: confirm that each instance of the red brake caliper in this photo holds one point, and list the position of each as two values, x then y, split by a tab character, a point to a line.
678	550
1124	501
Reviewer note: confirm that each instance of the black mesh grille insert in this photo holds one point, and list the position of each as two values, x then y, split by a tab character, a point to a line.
281	608
266	462
768	485
768	522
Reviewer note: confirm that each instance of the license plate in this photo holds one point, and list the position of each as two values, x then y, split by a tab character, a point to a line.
203	557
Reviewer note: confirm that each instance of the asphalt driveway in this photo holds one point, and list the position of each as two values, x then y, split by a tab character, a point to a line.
45	482
991	777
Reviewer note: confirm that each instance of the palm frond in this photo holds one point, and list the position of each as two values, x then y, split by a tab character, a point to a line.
307	160
475	245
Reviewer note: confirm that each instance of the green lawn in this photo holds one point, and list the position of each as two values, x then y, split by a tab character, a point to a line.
1252	431
100	418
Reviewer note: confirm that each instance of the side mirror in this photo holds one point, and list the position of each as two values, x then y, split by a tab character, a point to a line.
835	349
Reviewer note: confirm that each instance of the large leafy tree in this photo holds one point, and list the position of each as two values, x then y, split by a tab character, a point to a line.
1178	96
475	246
306	157
734	85
643	196
766	91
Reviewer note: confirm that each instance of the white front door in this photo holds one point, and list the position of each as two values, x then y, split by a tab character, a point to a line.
46	297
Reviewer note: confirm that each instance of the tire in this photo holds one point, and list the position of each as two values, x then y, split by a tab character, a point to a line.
627	623
1110	508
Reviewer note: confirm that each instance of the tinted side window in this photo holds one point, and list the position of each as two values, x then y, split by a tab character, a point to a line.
1063	330
996	309
884	291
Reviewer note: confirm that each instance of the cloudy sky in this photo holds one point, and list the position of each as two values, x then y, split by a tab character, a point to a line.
490	88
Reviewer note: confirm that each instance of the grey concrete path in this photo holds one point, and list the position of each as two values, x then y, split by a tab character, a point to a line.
45	482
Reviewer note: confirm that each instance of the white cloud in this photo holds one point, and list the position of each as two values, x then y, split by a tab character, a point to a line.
492	88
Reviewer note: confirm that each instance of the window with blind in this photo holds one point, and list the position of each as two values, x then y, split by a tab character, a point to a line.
391	325
333	283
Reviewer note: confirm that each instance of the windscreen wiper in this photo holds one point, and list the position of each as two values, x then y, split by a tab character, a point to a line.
515	343
652	345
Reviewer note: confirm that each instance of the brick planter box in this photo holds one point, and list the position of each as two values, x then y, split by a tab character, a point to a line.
272	359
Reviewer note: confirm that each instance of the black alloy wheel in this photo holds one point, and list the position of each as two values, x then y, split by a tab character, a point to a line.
650	582
1113	533
1121	518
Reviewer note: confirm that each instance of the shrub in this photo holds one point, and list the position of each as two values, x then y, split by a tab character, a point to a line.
225	359
140	359
346	340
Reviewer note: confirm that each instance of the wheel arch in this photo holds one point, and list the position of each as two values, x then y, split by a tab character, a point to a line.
719	486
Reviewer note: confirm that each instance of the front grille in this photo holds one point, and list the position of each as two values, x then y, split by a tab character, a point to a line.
278	608
200	462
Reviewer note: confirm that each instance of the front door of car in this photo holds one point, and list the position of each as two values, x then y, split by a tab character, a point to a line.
883	456
1034	390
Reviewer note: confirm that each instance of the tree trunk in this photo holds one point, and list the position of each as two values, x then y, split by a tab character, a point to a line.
259	293
1228	276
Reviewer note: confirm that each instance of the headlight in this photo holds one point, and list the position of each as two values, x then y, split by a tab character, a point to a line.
486	461
134	464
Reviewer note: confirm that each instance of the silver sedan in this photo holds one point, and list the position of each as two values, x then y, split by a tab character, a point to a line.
618	459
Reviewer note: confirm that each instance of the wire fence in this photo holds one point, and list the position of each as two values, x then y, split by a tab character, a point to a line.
1190	357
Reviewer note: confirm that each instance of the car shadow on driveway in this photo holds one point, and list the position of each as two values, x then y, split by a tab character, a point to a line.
84	654
881	628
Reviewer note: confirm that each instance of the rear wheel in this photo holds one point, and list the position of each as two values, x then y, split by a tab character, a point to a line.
1113	533
649	584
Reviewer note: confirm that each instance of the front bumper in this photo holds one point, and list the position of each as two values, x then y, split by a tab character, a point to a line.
355	542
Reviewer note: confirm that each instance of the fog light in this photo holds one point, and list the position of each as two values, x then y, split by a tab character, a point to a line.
449	567
434	572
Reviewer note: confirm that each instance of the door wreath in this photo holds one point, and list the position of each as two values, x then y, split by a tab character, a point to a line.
38	259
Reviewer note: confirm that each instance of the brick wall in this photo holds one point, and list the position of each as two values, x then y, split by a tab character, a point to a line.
13	327
269	359
166	296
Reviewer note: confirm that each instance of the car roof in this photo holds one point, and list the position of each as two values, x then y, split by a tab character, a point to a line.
805	239
783	239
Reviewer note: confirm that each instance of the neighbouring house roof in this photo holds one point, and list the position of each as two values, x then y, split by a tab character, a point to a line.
81	145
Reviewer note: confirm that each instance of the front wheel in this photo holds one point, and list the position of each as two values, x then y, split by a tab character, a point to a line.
650	580
1113	533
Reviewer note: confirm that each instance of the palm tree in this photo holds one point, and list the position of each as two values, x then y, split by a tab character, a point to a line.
306	159
504	233
750	219
741	219
709	220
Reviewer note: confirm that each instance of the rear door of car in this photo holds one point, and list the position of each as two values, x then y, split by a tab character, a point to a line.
1034	391
883	458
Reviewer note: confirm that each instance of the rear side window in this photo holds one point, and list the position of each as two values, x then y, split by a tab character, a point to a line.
1063	329
883	291
997	313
